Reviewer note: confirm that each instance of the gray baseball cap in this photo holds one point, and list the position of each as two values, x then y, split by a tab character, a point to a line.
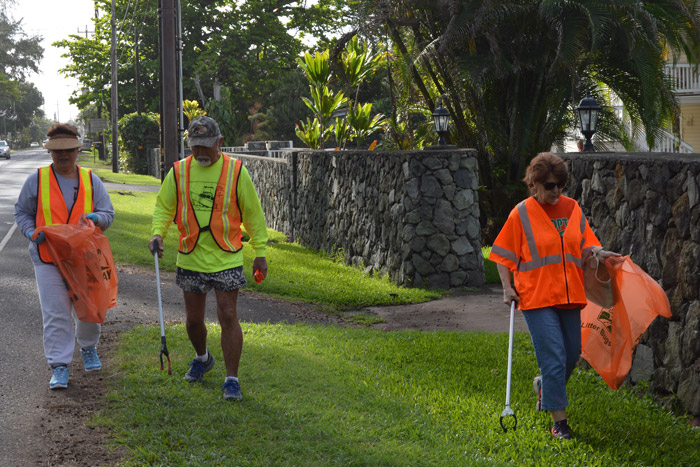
203	131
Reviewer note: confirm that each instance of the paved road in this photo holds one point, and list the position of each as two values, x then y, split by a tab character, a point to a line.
23	374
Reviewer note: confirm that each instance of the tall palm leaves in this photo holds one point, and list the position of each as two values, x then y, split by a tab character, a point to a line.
512	71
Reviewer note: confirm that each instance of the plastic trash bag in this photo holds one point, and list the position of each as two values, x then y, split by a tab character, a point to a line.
84	258
609	335
597	282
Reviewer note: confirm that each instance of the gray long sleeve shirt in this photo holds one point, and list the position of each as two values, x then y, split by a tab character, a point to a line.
26	205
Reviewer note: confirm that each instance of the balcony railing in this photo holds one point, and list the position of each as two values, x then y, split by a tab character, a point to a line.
685	78
665	141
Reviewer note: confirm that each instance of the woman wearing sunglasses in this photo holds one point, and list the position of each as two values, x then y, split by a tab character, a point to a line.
544	243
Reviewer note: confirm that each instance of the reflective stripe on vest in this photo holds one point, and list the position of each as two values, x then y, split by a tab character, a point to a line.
51	206
537	260
225	218
548	266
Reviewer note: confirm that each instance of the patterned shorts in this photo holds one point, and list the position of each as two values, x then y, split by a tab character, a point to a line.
227	280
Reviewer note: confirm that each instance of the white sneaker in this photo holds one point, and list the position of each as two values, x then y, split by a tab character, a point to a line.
537	387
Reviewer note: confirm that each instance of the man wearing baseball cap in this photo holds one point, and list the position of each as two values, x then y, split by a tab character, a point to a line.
210	195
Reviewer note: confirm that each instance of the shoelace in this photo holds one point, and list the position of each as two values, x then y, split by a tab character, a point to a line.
197	368
232	386
60	372
562	428
90	356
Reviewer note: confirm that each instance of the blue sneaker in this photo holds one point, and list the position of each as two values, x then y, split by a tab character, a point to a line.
59	378
90	359
197	369
232	390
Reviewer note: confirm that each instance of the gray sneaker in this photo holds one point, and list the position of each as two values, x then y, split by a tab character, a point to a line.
537	387
197	369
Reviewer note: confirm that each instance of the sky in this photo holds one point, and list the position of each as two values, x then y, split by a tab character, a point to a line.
54	20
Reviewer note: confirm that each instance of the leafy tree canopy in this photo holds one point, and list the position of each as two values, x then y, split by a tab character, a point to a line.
20	55
247	47
512	71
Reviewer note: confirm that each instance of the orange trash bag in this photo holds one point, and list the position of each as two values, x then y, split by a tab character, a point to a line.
609	335
84	258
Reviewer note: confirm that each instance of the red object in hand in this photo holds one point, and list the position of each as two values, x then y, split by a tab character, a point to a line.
258	276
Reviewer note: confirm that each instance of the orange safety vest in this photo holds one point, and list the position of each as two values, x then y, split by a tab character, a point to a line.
225	218
51	207
547	266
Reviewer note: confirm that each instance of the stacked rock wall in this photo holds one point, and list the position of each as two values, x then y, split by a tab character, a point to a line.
413	215
647	205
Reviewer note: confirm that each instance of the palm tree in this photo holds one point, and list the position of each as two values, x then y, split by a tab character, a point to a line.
512	71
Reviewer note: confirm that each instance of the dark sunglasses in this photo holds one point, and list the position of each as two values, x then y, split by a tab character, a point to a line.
63	151
549	186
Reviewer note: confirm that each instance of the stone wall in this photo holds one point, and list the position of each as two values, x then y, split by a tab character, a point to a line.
647	205
410	214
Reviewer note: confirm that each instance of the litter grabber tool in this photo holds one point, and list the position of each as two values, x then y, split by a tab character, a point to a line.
163	345
508	412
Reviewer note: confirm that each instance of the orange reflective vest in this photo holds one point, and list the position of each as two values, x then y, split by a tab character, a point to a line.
225	218
51	207
547	266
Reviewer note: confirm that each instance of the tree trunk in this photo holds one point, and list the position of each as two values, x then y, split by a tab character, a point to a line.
396	37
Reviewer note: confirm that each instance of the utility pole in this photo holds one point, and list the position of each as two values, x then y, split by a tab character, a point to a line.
168	79
181	125
99	101
115	104
138	74
86	32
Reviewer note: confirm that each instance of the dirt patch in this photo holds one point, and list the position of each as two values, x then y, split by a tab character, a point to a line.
475	310
69	439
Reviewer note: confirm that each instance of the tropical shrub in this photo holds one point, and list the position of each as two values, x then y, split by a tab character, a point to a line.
137	132
352	120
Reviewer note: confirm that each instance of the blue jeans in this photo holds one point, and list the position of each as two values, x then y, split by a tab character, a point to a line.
556	336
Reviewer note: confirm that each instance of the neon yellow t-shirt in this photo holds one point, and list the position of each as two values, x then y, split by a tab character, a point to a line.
207	256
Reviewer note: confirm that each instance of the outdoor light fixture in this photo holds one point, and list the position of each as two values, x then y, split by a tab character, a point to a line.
441	117
588	110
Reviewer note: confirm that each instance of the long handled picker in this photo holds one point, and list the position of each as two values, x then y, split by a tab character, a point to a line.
163	345
507	412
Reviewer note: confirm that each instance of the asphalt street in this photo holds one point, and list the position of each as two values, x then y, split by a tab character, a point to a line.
23	374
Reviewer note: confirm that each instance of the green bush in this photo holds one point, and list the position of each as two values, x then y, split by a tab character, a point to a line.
137	132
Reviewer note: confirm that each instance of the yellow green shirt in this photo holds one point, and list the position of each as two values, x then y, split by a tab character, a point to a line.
207	256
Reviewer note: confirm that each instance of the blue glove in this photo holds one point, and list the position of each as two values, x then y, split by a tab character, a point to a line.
92	216
40	238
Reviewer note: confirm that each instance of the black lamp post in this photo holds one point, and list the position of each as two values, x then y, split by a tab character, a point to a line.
588	110
441	117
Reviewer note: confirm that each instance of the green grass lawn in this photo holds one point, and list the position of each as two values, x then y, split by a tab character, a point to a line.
104	170
295	272
490	271
328	395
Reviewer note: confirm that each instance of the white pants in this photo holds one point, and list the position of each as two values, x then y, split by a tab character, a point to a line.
57	311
